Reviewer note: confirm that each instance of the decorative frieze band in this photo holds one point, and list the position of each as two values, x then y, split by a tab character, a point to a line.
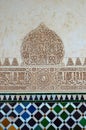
42	79
13	97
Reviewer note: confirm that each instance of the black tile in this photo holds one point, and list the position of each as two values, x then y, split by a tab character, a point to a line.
1	104
70	122
57	122
76	115
12	115
12	104
51	104
38	104
6	109
76	103
18	122
82	108
32	122
64	127
1	115
51	115
25	128
44	109
38	115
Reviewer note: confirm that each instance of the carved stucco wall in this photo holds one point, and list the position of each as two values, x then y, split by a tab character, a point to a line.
42	46
42	68
65	17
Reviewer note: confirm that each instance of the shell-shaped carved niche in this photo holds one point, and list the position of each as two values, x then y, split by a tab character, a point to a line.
42	46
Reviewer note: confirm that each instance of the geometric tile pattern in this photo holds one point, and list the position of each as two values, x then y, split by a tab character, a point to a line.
43	115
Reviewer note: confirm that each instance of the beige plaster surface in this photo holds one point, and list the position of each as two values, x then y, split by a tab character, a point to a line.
66	17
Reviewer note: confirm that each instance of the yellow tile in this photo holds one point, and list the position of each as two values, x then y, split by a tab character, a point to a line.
1	128
11	128
5	122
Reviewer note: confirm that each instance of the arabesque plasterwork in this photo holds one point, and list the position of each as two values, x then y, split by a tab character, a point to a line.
42	68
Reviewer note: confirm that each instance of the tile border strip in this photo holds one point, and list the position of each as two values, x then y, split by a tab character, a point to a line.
42	97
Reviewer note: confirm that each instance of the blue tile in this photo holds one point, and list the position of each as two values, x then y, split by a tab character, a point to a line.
31	109
19	109
25	115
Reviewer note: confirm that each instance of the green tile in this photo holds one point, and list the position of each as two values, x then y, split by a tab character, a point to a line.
77	127
63	104
44	122
57	109
83	122
38	128
51	128
70	108
64	115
